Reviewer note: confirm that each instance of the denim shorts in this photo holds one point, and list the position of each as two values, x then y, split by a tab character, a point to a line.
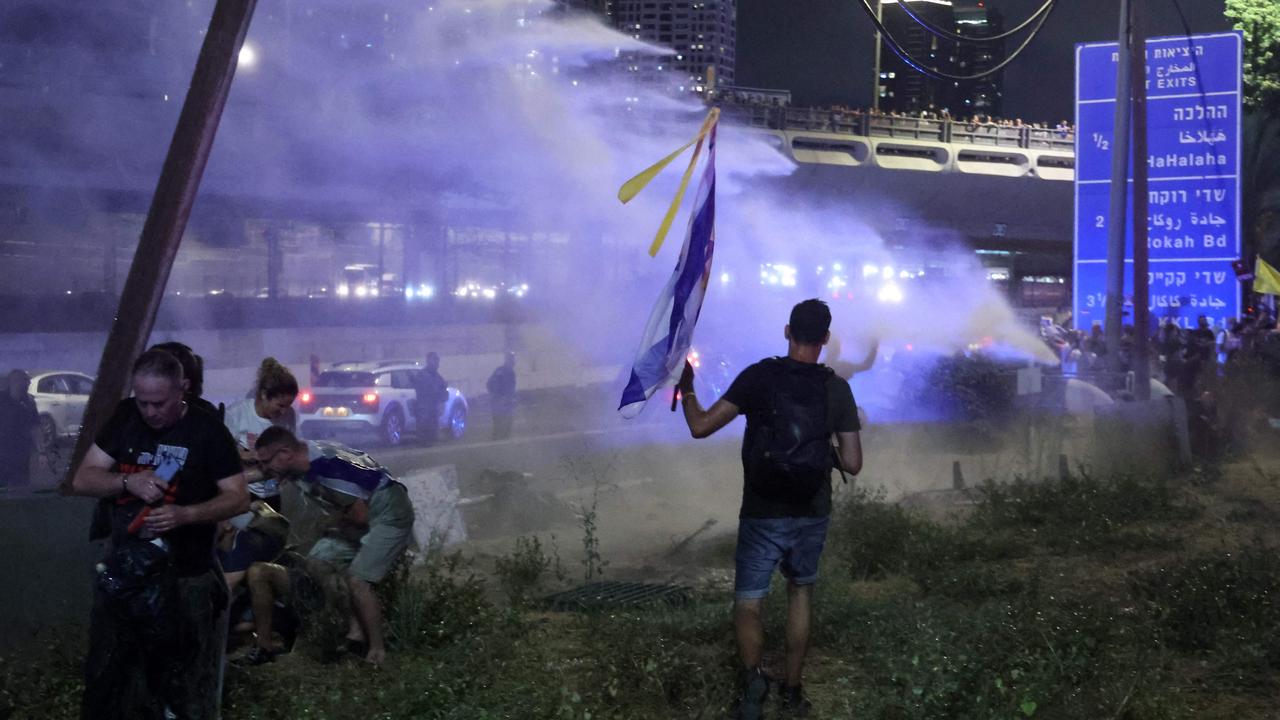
763	543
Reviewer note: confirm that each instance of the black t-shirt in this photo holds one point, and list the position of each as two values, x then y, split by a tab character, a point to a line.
204	452
17	418
751	391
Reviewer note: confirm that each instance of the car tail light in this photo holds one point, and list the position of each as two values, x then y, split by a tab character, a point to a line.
370	400
306	401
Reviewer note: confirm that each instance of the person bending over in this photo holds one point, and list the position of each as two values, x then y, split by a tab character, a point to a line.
373	526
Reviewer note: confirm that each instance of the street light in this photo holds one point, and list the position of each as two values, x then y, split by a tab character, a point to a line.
248	58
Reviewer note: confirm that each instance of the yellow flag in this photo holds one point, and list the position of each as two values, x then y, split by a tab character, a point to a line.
632	187
1266	279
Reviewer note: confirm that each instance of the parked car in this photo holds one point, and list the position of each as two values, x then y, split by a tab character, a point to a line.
60	397
373	400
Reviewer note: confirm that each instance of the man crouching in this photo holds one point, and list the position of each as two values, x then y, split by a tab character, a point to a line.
374	525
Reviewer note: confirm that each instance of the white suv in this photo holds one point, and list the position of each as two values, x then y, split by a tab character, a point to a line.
373	399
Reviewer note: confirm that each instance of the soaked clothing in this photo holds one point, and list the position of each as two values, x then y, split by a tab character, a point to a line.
197	449
776	530
141	663
793	545
129	676
341	476
751	392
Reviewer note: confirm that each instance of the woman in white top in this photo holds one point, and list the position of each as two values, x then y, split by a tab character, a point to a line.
271	404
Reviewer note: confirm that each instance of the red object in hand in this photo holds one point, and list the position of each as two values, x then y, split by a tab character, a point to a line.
170	495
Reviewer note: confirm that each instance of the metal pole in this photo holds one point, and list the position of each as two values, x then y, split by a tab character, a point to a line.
1119	188
167	219
1141	291
875	85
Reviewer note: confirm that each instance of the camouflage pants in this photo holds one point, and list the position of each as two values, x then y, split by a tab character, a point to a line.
128	676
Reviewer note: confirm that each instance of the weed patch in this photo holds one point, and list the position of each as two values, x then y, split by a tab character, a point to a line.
1082	513
1223	608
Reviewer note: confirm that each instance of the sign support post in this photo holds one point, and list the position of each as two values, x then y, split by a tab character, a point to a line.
1119	187
1141	252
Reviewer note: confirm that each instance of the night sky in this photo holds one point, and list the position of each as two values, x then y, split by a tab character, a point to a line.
822	50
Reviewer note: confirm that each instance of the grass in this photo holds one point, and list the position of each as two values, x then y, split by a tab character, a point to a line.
1077	597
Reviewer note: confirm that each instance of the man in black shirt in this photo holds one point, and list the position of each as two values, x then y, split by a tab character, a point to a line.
167	474
19	428
793	407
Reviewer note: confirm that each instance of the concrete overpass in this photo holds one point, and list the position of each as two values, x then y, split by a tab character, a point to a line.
857	139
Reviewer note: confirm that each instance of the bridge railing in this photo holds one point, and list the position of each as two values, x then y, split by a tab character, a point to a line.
895	126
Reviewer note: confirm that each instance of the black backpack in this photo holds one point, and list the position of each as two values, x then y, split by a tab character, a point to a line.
787	452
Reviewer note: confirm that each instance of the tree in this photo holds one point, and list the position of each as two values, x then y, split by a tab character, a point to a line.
1259	20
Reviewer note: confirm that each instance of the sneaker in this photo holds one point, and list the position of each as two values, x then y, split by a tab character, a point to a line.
794	704
755	689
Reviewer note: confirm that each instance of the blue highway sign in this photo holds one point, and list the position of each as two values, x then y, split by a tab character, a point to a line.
1193	155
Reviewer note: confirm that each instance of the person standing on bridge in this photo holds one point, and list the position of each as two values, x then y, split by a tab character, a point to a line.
793	406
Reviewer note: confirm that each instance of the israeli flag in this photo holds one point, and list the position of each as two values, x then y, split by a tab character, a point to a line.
669	333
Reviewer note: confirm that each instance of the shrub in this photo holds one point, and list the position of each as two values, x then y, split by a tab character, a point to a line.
521	574
1081	513
1025	656
1226	606
874	538
439	604
660	662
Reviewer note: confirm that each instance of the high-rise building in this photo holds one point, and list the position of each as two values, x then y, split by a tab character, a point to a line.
902	88
702	36
603	8
984	95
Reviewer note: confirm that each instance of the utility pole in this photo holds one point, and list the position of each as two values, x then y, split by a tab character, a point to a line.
1119	187
167	219
875	85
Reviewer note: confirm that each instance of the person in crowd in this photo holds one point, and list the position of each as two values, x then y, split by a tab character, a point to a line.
502	397
845	369
193	372
1202	353
430	391
1231	338
1169	345
316	369
374	526
1096	343
274	391
167	473
19	430
793	406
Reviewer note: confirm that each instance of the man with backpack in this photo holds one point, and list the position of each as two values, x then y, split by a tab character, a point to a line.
793	406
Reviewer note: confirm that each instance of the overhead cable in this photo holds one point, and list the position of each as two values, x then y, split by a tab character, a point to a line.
901	52
944	33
